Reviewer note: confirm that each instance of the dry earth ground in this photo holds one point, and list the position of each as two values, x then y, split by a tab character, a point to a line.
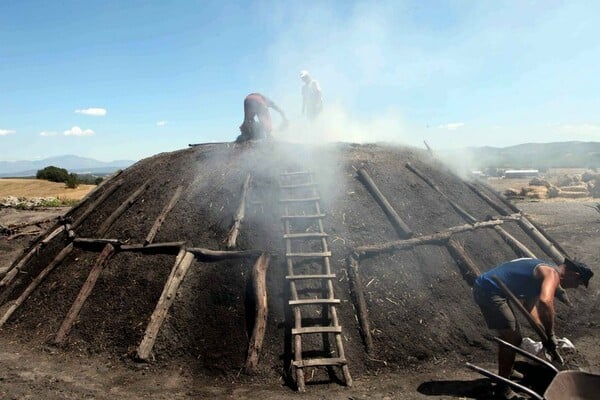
41	188
32	373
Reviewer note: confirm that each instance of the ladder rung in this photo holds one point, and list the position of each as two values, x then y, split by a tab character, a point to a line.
308	216
311	255
319	362
296	277
296	173
306	235
306	199
306	302
317	329
299	185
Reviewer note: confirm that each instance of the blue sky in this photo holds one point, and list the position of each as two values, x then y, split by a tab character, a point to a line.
129	79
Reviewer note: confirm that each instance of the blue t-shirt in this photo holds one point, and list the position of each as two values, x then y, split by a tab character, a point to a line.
517	274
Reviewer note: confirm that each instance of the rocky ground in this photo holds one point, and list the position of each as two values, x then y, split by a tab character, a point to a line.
29	373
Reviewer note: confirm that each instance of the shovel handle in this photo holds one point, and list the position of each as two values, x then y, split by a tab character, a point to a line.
501	380
536	327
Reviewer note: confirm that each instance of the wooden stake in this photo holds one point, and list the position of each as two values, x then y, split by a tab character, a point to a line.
542	241
239	215
163	215
84	293
117	213
259	283
486	198
467	266
435	238
167	297
14	269
399	225
207	255
107	193
17	303
468	217
517	246
361	303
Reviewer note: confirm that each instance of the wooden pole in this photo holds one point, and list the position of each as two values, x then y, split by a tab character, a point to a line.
107	193
399	225
467	266
164	248
14	269
207	255
468	217
239	215
161	218
435	238
41	276
486	198
259	283
182	264
84	293
541	241
516	245
361	303
117	213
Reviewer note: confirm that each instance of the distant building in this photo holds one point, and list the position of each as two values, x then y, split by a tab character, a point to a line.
521	173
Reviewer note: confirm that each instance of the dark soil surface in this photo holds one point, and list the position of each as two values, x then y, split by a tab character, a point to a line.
423	320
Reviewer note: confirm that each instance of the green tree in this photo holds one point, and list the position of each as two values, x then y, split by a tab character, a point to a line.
72	181
53	174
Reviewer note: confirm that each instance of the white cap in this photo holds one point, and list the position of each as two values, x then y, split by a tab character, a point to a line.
303	73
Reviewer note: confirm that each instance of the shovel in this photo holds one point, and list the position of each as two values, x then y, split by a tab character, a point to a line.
536	327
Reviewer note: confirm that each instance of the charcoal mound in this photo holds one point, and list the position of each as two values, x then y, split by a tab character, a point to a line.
406	237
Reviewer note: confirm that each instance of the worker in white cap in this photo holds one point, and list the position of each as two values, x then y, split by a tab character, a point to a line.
312	98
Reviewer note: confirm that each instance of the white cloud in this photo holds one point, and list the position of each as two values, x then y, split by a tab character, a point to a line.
161	123
48	133
95	112
4	132
452	126
77	131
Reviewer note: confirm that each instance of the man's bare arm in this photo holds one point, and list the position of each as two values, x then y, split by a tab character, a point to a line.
545	305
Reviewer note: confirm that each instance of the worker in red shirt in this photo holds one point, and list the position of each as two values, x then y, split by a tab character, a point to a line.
257	119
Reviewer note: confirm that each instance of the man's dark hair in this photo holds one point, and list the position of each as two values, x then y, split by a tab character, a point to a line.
585	273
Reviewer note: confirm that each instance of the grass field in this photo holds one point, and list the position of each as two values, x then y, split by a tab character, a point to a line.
40	188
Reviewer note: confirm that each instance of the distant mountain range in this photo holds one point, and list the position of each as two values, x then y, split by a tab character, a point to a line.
75	164
531	155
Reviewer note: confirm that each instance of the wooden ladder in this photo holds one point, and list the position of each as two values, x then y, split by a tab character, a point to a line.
305	240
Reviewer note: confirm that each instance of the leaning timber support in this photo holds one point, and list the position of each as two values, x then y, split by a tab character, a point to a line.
239	214
105	195
14	269
468	217
163	214
117	213
486	198
41	276
541	241
182	264
546	243
361	303
399	225
84	293
516	245
435	238
207	255
467	266
259	284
